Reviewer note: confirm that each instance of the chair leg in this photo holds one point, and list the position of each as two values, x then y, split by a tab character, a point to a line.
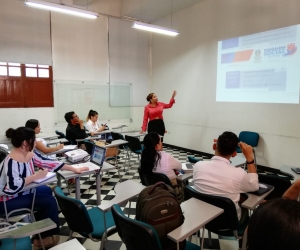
129	208
202	238
70	235
255	162
244	245
209	239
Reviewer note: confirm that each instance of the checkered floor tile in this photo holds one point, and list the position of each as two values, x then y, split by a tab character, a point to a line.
109	180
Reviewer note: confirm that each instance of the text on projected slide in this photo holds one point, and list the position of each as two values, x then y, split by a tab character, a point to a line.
262	67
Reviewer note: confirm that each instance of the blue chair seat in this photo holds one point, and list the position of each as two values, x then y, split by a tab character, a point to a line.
192	159
99	229
22	244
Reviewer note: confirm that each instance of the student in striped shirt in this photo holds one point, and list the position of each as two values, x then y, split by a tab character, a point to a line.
17	171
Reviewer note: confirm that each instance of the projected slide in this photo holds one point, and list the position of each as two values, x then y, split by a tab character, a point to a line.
263	67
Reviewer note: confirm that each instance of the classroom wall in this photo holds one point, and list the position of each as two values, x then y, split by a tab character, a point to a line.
188	63
77	48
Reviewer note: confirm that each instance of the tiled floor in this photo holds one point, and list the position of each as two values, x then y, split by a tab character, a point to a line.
109	180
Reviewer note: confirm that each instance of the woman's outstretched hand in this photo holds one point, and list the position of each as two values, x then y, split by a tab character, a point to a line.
174	94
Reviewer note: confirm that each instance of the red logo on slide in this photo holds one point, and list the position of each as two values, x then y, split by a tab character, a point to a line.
291	49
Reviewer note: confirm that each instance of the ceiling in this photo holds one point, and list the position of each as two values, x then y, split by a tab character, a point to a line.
142	10
152	10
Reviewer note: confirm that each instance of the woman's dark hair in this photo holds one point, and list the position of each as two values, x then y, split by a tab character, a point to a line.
149	97
32	123
275	225
150	156
90	114
227	143
21	134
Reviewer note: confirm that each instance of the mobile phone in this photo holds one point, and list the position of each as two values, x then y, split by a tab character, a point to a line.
189	165
296	170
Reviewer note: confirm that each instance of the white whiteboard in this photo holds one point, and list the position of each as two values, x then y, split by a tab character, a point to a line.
80	97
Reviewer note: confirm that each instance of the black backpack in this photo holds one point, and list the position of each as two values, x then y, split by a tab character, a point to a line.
157	206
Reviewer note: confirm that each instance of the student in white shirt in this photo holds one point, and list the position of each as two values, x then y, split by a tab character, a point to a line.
92	124
41	144
218	177
153	159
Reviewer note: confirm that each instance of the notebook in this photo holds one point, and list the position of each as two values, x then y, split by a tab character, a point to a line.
96	161
48	176
263	188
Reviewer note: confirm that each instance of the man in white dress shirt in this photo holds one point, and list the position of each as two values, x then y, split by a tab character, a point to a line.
218	177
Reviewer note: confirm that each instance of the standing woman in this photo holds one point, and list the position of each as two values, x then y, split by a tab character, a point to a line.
153	112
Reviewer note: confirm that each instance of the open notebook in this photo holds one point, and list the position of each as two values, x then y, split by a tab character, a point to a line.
48	176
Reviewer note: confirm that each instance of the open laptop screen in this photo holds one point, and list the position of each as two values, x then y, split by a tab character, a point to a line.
98	155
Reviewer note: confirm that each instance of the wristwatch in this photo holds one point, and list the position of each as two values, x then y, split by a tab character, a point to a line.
250	162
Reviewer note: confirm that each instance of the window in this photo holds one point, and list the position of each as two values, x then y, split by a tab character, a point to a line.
25	85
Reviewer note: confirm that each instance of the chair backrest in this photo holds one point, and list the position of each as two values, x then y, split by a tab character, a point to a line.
227	221
151	179
141	176
134	143
74	212
61	134
89	146
135	234
281	184
251	138
118	136
3	154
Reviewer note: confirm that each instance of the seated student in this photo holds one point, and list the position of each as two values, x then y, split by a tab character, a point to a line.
92	125
275	223
218	177
75	129
17	171
153	159
41	144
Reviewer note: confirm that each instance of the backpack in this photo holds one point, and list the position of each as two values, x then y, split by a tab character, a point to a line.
157	206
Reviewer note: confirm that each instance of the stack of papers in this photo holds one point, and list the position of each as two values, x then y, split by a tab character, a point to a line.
48	176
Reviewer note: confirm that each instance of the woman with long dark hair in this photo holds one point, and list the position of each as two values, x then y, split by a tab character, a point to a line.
41	144
17	171
155	160
153	112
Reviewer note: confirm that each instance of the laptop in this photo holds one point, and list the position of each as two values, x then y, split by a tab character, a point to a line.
96	160
263	188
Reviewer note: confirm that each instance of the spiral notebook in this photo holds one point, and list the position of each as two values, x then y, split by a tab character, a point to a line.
48	176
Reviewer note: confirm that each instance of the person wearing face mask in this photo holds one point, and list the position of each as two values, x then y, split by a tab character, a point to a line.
153	112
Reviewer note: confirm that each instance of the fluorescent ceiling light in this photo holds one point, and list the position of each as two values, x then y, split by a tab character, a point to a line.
61	8
153	28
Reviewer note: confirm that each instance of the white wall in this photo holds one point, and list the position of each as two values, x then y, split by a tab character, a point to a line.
188	64
78	48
